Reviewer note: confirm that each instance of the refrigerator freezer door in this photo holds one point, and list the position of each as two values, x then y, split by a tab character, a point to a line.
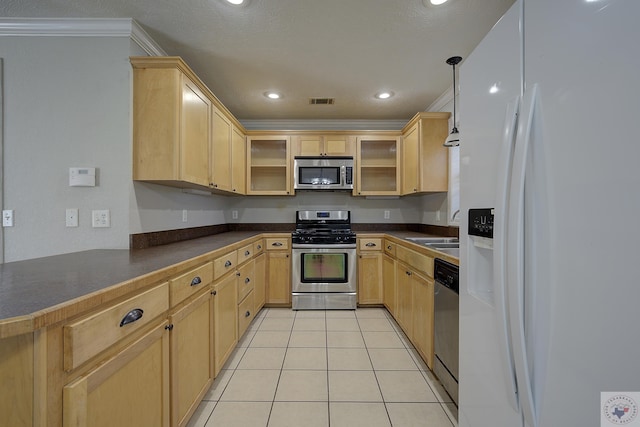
490	79
581	283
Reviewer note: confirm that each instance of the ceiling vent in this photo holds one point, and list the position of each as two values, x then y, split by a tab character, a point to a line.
322	101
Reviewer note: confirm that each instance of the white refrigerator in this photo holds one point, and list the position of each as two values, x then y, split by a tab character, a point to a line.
550	303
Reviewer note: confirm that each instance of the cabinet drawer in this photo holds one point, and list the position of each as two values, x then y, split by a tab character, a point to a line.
276	244
224	264
258	247
390	248
245	253
416	260
370	244
245	314
245	280
189	283
90	335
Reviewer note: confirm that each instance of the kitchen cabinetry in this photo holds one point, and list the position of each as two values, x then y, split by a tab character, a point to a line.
278	270
131	388
389	277
260	268
377	165
225	320
404	312
246	312
221	159
191	355
369	270
423	316
424	158
269	165
171	124
238	161
323	145
17	380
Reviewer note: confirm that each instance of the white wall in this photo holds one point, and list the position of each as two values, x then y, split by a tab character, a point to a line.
66	103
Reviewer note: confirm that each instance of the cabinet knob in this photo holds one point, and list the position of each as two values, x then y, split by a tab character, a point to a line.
169	327
389	247
196	281
132	316
227	264
214	293
247	314
247	253
259	247
238	273
247	280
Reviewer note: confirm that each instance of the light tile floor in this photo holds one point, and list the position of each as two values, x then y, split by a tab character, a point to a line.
325	368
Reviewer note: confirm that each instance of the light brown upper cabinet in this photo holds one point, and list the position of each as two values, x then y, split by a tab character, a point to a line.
238	160
377	165
269	165
182	135
424	158
333	144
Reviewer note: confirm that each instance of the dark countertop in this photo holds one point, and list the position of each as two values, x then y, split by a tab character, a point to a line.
40	287
27	287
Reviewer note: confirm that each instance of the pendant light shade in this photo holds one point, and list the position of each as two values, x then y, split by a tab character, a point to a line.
453	140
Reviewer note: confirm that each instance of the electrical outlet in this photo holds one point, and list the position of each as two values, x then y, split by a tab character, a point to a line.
184	215
100	219
7	218
234	214
71	217
387	214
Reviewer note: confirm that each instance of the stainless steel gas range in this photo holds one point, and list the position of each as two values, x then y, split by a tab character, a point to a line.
323	261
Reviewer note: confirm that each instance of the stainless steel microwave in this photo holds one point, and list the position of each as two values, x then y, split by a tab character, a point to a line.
323	173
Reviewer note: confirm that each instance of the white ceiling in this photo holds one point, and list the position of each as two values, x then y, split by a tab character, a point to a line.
344	49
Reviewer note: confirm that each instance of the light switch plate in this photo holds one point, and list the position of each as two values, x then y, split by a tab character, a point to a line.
71	217
100	218
7	218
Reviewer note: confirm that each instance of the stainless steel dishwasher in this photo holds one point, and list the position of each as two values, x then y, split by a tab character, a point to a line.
446	329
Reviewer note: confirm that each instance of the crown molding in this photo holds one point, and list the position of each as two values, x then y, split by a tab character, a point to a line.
442	101
80	27
323	124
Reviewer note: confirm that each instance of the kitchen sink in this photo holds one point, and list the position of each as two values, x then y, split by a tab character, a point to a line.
432	240
442	245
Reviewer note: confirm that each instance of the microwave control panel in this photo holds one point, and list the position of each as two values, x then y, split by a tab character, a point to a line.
481	222
349	175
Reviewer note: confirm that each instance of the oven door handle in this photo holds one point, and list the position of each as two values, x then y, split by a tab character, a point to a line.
313	246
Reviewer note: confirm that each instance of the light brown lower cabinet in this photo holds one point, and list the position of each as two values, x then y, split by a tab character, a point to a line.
423	316
259	286
16	380
131	388
389	281
192	362
225	305
370	278
404	313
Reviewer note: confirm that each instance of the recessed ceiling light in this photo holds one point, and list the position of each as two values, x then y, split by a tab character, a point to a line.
235	2
431	3
272	95
384	95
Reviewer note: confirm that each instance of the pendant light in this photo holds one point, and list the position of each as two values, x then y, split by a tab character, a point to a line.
453	140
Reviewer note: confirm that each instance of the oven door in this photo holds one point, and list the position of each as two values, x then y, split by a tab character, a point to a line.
323	268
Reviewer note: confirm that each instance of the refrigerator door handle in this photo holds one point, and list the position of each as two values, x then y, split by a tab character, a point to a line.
500	249
515	257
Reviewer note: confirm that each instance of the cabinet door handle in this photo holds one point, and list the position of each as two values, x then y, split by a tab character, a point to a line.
214	293
227	264
389	247
247	253
196	281
370	244
247	314
247	280
169	327
277	244
259	247
132	316
238	273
